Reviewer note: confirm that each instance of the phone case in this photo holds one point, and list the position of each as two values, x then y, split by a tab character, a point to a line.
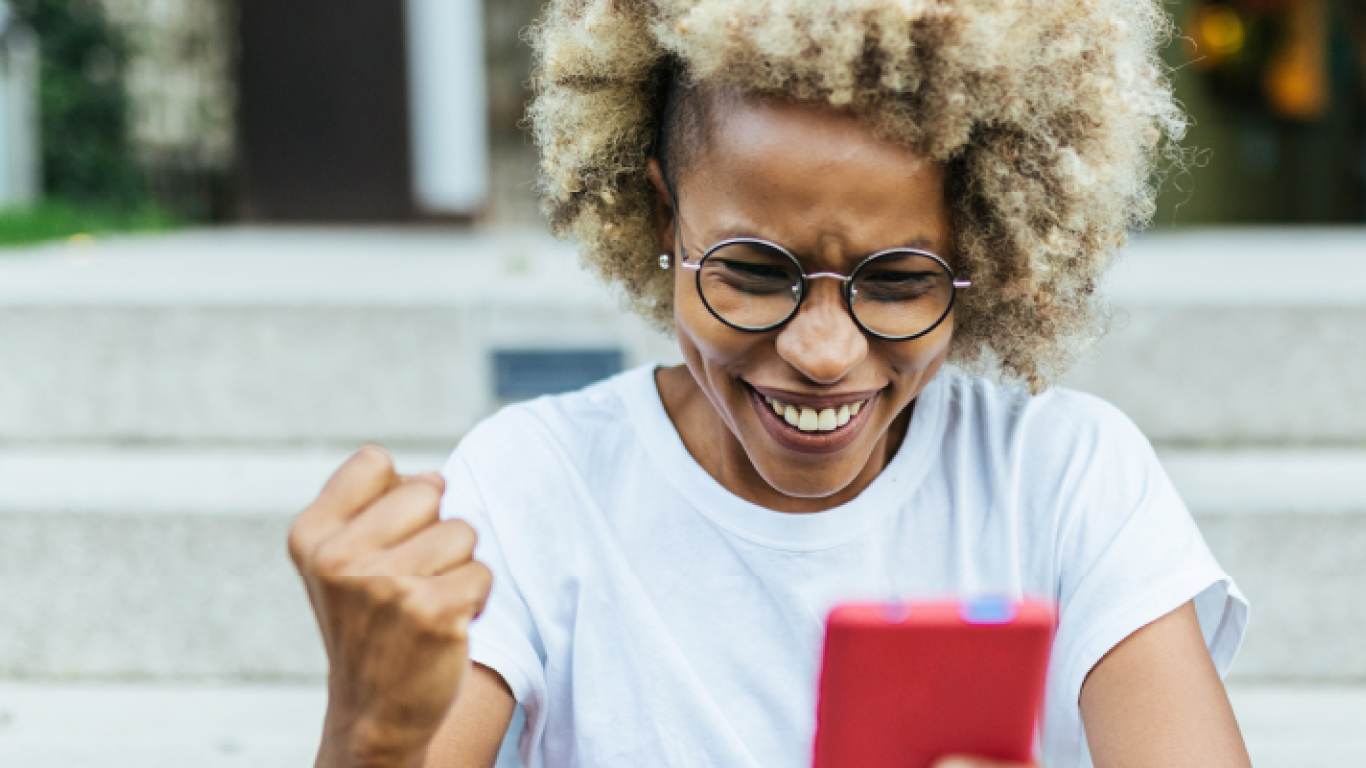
904	685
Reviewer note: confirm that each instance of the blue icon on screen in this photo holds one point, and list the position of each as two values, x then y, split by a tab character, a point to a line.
989	610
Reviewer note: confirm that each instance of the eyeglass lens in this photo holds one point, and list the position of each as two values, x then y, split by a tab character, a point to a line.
755	287
901	294
750	285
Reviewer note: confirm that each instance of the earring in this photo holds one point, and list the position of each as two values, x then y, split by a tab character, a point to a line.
663	261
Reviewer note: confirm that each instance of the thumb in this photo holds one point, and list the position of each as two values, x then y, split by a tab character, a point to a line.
962	761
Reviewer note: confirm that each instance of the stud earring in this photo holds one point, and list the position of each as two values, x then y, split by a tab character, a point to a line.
663	261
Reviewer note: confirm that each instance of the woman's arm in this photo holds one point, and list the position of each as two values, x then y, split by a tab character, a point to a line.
1156	699
474	728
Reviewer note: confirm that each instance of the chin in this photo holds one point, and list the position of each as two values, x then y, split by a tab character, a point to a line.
808	479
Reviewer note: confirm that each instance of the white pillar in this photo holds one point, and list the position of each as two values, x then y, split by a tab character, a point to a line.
20	165
449	109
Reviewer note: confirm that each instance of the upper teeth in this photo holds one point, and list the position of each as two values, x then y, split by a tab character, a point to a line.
811	420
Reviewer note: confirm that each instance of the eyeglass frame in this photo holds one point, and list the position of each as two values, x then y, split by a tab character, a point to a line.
846	288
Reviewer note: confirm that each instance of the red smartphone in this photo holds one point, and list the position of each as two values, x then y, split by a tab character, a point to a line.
903	685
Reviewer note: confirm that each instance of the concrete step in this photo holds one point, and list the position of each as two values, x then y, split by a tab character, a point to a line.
162	564
266	336
331	337
1238	336
278	726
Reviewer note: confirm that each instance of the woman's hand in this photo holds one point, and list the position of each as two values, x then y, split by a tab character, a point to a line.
394	590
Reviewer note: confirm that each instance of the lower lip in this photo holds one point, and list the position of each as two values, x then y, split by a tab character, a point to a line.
794	439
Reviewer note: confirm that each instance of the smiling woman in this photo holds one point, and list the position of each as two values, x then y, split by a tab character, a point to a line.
826	202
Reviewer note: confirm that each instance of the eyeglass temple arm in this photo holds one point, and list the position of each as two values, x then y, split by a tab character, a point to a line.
957	283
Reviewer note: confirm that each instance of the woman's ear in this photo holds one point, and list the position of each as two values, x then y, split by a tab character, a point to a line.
663	208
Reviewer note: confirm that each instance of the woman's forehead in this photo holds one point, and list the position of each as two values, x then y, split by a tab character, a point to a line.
812	178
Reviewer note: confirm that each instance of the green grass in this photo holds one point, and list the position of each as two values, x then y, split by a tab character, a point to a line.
57	221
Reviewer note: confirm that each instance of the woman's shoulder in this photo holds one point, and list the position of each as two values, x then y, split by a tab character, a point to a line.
1011	418
538	465
572	424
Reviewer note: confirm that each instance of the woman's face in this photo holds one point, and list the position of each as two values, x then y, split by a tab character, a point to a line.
832	193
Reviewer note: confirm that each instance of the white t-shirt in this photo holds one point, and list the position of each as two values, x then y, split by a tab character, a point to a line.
644	615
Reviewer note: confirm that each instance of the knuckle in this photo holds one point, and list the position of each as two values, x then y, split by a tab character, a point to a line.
463	535
385	588
374	459
474	589
417	609
482	577
299	544
430	617
330	562
425	496
459	629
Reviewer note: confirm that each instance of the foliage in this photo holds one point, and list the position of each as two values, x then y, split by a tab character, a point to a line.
87	157
56	220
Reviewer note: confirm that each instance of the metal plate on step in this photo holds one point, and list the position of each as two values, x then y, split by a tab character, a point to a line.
523	374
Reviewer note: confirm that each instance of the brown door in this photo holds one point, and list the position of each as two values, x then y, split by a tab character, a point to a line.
324	111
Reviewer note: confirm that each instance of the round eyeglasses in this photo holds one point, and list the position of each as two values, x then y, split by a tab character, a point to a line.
755	285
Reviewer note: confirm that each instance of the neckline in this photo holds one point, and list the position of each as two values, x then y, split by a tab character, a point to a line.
807	531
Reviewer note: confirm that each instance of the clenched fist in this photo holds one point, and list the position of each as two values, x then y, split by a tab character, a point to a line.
394	590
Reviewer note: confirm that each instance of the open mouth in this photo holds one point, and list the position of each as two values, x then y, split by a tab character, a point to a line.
811	420
810	423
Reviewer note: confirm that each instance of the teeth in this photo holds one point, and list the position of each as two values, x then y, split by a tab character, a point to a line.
828	420
811	420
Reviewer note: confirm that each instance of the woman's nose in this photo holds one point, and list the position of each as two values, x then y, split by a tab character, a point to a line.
822	342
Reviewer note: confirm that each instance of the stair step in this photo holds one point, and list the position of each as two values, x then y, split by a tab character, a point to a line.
164	564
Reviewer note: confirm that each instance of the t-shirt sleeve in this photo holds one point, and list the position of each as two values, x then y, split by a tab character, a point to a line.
1129	553
504	637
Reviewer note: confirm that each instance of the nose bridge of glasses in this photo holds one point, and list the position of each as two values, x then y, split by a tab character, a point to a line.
812	296
835	275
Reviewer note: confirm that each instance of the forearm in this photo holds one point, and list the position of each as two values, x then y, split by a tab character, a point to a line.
351	742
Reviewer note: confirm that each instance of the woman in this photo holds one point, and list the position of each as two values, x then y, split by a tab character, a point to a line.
826	202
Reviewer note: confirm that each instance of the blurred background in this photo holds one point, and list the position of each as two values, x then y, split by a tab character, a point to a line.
240	237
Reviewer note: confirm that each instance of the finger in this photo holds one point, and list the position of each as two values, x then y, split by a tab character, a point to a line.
361	479
397	515
433	479
961	761
436	550
457	597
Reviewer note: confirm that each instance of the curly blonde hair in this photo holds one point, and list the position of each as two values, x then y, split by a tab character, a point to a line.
1051	115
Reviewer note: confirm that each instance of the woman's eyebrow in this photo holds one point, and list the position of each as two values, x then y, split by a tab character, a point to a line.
919	243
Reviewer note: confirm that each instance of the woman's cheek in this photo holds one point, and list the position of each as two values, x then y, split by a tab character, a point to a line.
712	342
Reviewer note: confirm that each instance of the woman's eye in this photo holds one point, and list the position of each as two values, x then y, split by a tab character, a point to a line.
902	279
751	270
897	286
